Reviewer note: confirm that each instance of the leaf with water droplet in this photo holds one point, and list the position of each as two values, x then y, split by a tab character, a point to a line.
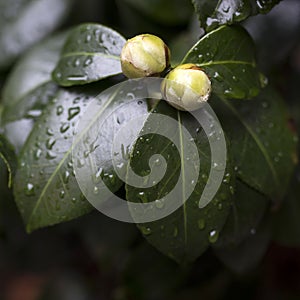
29	85
87	60
191	233
213	13
24	23
247	211
8	156
56	187
256	145
233	72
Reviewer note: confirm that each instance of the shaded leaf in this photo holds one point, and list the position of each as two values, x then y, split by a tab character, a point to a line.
286	222
23	23
46	190
29	85
263	146
213	13
8	156
227	55
91	52
186	233
247	211
167	12
247	255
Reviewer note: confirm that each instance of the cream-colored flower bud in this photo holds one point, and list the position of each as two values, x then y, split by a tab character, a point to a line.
186	87
144	55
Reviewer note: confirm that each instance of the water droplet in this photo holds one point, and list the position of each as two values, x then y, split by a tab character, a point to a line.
88	62
263	80
88	38
265	104
50	131
73	112
62	194
159	203
37	154
213	236
66	177
96	190
201	224
50	143
143	197
145	230
220	206
64	127
29	189
253	231
59	110
76	62
51	155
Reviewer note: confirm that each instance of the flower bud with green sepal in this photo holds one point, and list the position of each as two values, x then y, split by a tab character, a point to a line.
186	87
144	55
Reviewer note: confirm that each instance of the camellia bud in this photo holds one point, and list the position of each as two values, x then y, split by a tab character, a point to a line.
144	55
186	87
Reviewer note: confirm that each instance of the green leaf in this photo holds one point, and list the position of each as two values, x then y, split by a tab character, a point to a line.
91	53
247	255
25	22
227	55
286	222
29	85
246	213
169	12
263	146
8	156
186	233
46	190
213	13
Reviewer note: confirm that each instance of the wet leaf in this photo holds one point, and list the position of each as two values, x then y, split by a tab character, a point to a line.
248	210
7	155
92	52
25	22
29	85
213	13
46	190
264	147
227	55
187	232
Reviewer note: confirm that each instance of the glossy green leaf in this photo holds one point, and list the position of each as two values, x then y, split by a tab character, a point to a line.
286	222
92	52
186	233
8	156
46	190
29	85
25	22
227	55
213	13
264	147
248	209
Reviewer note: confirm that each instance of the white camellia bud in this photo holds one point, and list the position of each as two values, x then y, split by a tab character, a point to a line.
144	55
186	87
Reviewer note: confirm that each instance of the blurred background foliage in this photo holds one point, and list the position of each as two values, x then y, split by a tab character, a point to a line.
95	257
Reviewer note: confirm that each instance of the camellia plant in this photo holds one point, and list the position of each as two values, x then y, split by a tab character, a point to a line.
48	90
